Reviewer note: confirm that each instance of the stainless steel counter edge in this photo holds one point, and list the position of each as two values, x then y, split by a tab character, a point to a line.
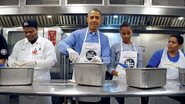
110	88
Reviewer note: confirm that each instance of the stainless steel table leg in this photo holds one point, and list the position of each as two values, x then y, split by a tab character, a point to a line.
76	100
144	100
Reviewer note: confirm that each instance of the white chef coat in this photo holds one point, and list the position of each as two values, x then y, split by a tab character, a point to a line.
43	52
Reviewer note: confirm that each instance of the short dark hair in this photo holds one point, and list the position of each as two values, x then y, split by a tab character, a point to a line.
125	24
179	38
94	9
30	23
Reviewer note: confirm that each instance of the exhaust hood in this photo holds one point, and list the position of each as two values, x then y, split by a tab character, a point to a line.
142	17
74	21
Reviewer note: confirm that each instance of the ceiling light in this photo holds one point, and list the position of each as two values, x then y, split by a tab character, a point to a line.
49	16
180	18
115	16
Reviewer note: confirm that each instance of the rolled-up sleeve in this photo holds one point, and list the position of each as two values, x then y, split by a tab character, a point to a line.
68	42
76	39
154	61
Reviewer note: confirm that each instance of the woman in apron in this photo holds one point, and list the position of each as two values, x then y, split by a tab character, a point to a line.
124	52
171	58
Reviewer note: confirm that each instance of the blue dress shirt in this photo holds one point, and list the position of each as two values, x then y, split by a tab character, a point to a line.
115	55
156	58
76	39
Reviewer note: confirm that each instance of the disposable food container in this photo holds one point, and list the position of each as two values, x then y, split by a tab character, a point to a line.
146	77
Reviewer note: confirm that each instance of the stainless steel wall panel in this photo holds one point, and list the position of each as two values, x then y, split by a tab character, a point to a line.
9	2
84	1
42	2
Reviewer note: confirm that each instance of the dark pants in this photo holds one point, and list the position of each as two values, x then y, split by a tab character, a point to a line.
120	100
106	100
57	100
179	98
144	100
81	102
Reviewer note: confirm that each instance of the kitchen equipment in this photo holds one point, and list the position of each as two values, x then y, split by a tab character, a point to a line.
146	77
89	73
181	75
16	76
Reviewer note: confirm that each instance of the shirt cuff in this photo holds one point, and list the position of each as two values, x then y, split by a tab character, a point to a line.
110	70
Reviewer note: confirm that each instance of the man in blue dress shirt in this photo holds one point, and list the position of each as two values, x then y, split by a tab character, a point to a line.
87	45
79	41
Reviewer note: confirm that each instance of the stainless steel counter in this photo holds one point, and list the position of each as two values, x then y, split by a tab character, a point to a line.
110	88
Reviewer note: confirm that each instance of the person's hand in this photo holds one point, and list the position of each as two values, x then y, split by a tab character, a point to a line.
114	72
31	64
96	59
80	60
73	55
17	64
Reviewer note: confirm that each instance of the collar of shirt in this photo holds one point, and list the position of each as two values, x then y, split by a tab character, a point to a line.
37	42
173	59
127	47
92	33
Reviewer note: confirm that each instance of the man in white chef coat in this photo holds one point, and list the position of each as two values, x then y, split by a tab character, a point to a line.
37	52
